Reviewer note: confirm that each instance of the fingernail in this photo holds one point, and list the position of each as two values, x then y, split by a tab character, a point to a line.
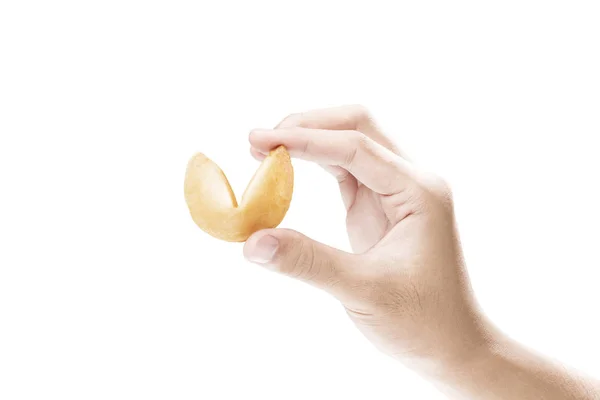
264	250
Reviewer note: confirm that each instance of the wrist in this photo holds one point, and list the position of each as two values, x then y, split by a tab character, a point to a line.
504	368
477	350
473	370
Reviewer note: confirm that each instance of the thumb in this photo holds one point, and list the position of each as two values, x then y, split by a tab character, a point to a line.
293	254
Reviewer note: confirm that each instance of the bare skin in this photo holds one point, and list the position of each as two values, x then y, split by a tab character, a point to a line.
405	285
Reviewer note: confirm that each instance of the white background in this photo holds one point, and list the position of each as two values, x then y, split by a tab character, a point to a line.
109	291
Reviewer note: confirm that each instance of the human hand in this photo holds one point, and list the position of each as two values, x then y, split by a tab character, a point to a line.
405	287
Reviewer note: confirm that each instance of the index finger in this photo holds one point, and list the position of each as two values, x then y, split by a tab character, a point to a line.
372	164
351	117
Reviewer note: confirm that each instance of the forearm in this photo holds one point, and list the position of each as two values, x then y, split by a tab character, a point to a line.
508	370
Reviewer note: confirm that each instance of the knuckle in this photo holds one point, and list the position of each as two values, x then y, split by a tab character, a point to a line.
437	189
328	273
358	143
305	148
291	120
364	121
302	263
362	140
442	189
360	112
